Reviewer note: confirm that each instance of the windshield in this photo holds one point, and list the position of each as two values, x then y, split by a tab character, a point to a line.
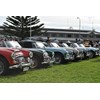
55	45
65	45
13	44
76	45
81	45
40	45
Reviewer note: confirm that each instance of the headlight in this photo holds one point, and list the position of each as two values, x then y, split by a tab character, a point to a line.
13	56
67	53
45	54
30	54
53	54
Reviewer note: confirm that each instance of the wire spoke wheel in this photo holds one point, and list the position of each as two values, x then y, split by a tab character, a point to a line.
91	55
58	59
35	63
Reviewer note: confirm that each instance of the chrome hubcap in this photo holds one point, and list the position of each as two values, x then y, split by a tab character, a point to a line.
57	60
34	63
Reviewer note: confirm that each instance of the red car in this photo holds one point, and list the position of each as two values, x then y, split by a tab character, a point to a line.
14	58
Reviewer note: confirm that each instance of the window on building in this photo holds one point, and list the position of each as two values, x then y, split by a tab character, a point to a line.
76	35
62	35
97	36
69	35
58	35
84	35
54	35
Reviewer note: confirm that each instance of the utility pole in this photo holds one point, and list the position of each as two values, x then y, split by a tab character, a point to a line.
30	29
79	26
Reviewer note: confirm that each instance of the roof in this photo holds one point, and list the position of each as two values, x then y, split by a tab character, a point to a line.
70	31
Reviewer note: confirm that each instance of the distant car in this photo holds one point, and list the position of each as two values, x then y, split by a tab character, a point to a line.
85	51
40	57
13	58
61	55
76	54
93	51
55	45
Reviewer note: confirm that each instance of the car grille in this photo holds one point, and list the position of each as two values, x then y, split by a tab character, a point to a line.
20	59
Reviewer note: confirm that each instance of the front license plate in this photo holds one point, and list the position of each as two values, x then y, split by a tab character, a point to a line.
25	68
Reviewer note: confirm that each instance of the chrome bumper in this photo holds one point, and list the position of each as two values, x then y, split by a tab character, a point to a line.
71	57
79	56
21	66
87	54
67	57
48	60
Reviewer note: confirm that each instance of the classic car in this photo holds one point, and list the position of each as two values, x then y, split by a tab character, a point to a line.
76	54
93	51
55	45
13	58
61	55
85	51
40	58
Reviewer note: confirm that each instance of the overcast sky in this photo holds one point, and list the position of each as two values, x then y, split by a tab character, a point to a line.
87	22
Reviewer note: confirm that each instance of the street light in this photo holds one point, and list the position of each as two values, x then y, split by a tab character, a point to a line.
79	25
30	29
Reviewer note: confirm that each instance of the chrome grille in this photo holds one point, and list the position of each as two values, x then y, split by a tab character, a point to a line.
20	59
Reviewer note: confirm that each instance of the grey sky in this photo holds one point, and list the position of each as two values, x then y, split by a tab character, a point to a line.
87	22
2	19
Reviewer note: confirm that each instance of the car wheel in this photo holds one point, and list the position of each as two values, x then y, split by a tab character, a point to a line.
58	59
92	55
83	56
74	57
4	67
35	63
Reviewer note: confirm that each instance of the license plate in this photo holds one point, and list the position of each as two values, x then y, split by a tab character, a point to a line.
25	68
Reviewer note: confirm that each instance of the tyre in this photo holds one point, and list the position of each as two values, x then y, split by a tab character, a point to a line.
92	55
74	57
4	66
59	59
83	56
35	63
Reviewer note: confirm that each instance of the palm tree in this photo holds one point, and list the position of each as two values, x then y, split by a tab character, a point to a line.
21	26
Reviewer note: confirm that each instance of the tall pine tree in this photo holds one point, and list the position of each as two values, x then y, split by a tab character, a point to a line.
23	26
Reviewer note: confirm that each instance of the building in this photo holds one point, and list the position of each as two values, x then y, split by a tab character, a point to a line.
66	34
71	34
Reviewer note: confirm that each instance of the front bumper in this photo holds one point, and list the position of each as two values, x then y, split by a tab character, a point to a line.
24	66
88	54
67	57
22	63
48	60
71	57
80	55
